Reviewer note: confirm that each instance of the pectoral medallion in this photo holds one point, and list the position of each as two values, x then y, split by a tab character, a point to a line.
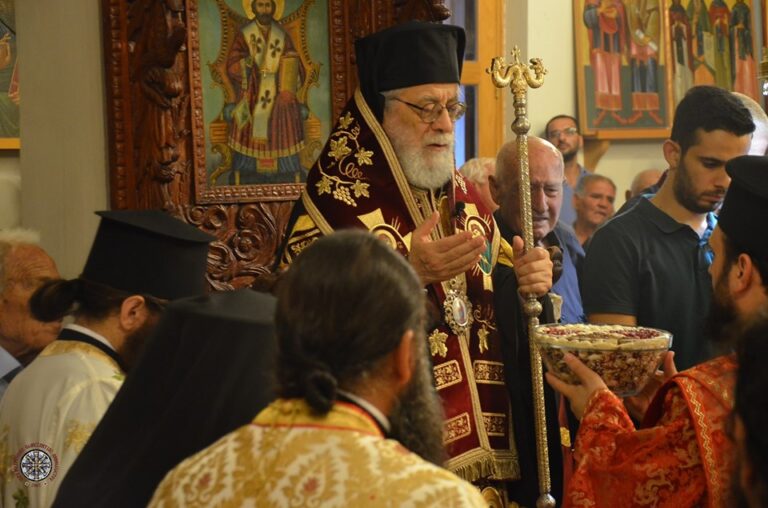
458	310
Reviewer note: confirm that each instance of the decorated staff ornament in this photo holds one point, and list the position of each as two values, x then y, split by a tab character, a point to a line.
519	77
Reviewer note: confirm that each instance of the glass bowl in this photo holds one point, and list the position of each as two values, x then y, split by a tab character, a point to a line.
624	356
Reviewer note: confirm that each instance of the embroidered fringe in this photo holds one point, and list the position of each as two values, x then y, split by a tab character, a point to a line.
488	467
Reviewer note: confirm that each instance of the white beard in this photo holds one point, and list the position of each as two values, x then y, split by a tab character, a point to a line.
422	172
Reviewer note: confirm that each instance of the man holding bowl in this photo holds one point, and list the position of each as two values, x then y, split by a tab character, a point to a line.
680	455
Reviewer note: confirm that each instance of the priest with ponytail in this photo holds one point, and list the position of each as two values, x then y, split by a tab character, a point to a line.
358	421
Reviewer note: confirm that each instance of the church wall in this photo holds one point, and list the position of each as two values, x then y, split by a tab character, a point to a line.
63	125
10	189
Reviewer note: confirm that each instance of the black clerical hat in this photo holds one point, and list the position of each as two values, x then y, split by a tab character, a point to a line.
208	369
148	252
410	54
746	204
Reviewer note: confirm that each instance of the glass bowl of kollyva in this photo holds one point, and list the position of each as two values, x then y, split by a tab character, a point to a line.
624	356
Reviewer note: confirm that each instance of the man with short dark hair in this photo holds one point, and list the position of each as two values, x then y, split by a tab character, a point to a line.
648	266
358	421
24	266
649	182
681	455
388	167
593	201
138	261
563	132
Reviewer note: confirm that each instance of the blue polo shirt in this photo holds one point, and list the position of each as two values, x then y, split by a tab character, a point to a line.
567	212
645	263
9	367
567	285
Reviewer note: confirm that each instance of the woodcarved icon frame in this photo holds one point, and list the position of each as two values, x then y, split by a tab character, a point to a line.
213	161
154	106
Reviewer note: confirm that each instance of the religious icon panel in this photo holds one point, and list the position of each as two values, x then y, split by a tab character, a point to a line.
264	79
637	58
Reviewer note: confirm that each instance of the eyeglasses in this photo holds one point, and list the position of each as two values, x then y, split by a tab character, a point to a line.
432	110
570	131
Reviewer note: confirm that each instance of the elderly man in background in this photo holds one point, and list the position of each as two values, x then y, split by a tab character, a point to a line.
759	145
388	168
24	266
563	132
546	173
358	422
645	179
477	171
593	200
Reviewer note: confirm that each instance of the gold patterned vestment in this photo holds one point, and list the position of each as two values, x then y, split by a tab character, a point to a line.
290	456
680	457
54	405
357	182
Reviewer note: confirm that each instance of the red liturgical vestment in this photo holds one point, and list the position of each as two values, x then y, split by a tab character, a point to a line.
680	456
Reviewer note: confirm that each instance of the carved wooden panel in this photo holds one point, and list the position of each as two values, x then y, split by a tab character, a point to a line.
152	102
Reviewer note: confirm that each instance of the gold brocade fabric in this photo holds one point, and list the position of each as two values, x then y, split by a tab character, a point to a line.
290	457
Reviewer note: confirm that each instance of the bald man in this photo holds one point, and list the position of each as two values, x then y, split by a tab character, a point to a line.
759	145
642	180
546	173
477	171
24	266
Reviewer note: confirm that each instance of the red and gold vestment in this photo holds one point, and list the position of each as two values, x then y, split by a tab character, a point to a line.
679	457
357	182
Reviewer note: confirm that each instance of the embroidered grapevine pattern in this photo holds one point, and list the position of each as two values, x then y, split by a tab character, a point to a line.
347	153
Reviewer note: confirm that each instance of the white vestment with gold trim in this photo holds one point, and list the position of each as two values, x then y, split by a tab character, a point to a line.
53	405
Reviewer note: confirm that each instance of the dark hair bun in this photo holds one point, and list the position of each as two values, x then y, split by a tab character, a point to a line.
54	299
320	390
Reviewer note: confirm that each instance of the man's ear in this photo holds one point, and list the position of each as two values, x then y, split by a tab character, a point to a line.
743	274
493	185
403	360
133	312
672	153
